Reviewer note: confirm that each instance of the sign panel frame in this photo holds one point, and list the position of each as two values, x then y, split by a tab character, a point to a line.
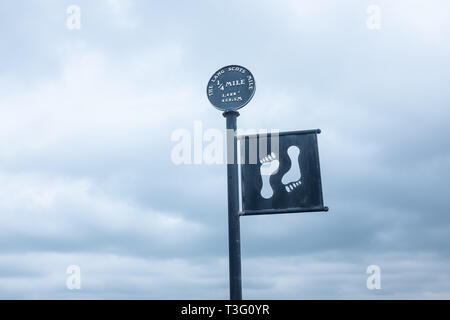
256	205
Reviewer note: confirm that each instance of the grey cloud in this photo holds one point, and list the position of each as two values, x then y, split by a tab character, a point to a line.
99	105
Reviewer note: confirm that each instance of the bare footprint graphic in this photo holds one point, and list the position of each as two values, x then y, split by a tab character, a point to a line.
291	179
269	166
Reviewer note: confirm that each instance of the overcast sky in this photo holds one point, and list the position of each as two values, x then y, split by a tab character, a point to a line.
86	176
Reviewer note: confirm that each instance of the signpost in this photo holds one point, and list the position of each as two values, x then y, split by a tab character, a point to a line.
229	89
280	175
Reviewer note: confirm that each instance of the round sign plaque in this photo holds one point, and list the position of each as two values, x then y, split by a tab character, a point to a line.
231	88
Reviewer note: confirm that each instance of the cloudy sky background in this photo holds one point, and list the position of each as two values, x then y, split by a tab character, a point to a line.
86	176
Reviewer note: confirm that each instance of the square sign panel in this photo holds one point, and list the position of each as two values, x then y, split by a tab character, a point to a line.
280	173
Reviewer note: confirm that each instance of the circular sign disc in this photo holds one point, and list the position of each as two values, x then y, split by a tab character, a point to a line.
231	88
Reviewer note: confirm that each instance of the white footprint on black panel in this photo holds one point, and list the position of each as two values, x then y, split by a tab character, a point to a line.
269	167
291	179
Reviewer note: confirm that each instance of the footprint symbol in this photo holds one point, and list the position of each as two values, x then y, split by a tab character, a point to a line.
291	179
269	166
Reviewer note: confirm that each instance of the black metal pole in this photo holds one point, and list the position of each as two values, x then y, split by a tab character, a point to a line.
234	234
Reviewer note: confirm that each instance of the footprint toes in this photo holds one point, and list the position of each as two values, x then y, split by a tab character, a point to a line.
293	185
